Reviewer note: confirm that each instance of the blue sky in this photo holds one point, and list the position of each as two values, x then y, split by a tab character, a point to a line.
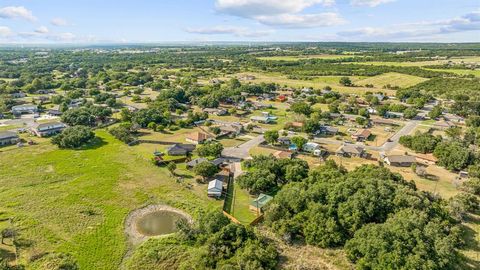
102	21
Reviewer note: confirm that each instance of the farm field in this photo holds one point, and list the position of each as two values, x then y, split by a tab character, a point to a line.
76	200
316	83
392	78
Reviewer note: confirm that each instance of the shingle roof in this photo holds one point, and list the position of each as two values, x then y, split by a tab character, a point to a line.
8	135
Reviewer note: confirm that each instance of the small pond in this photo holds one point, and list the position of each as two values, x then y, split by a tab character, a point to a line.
158	223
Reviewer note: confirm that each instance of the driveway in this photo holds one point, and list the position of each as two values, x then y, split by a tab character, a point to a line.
242	151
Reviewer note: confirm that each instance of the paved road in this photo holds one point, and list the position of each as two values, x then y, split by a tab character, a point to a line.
242	151
405	130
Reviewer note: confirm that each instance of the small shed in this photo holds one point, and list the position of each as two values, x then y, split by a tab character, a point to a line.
215	188
259	203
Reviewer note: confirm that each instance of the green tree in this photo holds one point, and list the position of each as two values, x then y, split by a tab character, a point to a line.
301	108
210	149
452	155
74	137
345	81
205	169
299	141
271	136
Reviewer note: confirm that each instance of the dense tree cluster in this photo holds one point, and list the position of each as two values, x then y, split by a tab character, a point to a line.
211	243
74	137
366	210
266	173
420	142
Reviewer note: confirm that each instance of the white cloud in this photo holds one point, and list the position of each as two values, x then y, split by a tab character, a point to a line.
467	22
252	8
228	30
59	22
19	12
5	31
303	21
281	13
370	3
42	30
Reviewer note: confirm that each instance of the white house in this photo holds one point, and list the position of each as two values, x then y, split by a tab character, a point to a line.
215	188
311	147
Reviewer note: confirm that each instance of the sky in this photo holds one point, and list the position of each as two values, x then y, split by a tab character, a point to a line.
145	21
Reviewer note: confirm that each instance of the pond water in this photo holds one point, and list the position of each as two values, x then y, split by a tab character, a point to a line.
158	223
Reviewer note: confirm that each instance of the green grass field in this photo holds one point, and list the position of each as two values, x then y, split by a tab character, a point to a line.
75	201
392	78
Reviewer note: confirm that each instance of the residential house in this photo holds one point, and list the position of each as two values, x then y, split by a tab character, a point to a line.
180	149
284	141
55	113
400	160
361	135
443	125
311	147
383	122
22	109
197	137
297	125
257	205
351	150
48	129
390	114
247	78
8	137
449	117
18	95
215	188
192	164
215	111
380	97
328	130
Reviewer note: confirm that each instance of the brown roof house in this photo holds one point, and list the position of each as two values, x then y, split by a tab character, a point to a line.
361	135
197	137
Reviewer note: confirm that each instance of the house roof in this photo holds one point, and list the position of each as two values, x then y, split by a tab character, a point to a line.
24	107
261	200
198	136
181	147
365	133
51	125
401	159
8	135
329	129
215	185
196	161
350	148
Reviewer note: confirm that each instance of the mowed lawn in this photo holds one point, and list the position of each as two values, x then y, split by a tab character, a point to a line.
392	78
75	201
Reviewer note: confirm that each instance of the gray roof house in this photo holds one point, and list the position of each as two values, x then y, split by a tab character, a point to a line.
400	160
192	164
8	137
180	149
48	129
21	109
351	150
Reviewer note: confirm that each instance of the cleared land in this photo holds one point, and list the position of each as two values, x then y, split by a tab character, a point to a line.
316	82
76	200
392	78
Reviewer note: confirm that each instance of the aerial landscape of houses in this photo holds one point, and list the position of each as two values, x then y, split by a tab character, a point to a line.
241	135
